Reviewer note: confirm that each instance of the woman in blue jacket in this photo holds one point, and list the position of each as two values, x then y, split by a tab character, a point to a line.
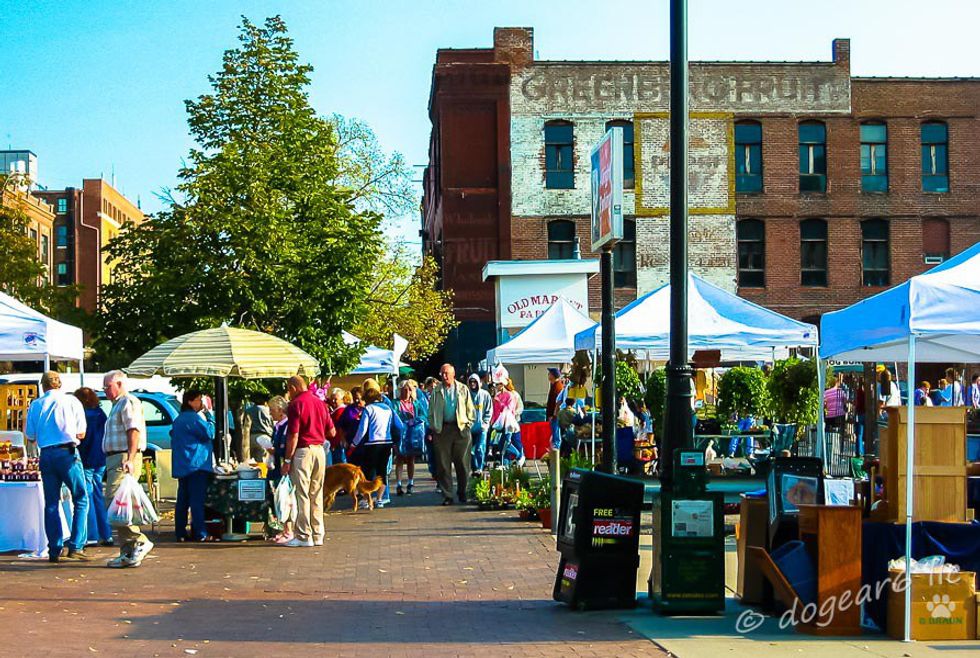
192	442
378	428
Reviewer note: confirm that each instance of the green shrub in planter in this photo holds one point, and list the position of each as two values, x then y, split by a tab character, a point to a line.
742	392
656	398
794	396
627	381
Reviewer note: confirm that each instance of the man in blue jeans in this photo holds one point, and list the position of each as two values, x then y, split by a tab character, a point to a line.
56	421
483	404
556	398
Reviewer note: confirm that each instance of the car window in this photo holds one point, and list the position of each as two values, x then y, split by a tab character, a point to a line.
106	405
153	413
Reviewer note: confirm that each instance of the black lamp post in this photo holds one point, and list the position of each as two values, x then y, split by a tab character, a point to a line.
679	432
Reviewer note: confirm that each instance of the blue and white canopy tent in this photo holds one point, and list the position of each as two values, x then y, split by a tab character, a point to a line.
550	338
717	320
375	360
28	335
933	317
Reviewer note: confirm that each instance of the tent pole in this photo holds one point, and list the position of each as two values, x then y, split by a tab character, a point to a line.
909	485
595	357
81	372
47	362
821	447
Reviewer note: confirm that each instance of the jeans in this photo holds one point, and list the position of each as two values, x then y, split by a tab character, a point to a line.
747	449
555	434
336	456
98	512
511	448
191	490
859	435
479	448
64	466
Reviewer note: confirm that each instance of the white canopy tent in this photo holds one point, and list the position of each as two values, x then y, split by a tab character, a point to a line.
27	335
376	360
550	338
717	320
932	317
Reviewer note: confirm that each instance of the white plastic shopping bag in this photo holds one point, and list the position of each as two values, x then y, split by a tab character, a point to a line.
285	500
121	507
143	512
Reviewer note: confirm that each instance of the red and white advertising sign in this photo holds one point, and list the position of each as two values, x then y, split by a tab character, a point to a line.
607	189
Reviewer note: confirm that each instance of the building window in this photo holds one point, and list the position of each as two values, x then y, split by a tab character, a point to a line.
935	157
61	235
629	173
813	157
559	140
33	233
813	252
561	239
62	269
748	156
46	250
874	157
874	252
751	237
624	257
935	240
62	206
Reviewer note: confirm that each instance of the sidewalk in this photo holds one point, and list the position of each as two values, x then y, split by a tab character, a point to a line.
414	579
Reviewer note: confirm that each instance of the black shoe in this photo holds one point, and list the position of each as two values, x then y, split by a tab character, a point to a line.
107	542
462	498
411	489
399	491
447	501
77	556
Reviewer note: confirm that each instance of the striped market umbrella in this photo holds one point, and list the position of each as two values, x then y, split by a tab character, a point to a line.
225	352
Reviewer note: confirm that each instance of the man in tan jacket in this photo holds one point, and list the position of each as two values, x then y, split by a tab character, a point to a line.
451	414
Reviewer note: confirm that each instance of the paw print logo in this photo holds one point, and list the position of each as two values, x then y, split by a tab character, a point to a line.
941	607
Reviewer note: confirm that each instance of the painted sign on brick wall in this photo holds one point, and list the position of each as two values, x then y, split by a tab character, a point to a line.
711	166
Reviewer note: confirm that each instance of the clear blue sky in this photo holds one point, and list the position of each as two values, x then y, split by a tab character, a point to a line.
92	85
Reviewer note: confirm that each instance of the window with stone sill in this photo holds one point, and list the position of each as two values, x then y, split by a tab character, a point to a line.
813	156
561	239
629	171
935	157
813	253
624	257
748	157
874	157
559	143
875	258
751	238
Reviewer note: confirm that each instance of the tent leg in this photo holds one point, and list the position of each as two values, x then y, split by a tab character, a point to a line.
81	372
47	362
821	447
909	486
595	356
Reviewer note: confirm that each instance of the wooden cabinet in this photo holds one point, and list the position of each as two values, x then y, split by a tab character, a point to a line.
940	492
832	536
753	529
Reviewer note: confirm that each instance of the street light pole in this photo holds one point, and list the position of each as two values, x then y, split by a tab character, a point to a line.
609	401
679	432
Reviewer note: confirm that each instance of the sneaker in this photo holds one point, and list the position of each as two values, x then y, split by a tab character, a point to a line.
54	558
77	556
381	503
318	542
296	542
92	542
141	550
399	491
447	501
284	539
520	462
122	562
107	542
462	498
363	505
411	489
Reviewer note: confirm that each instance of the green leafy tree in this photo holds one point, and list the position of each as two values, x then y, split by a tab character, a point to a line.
261	232
742	392
406	300
627	380
793	392
22	274
656	398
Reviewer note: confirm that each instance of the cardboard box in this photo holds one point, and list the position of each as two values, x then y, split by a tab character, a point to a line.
944	606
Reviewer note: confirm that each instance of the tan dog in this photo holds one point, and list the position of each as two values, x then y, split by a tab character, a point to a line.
370	487
341	476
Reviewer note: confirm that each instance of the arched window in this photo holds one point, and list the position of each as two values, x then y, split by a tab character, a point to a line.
813	252
561	239
748	156
875	252
935	240
559	142
935	157
751	237
624	257
874	157
813	156
629	173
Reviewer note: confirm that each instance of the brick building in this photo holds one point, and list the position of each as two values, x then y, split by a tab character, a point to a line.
810	188
40	220
86	219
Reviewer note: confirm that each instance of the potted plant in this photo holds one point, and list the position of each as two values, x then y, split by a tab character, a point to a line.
542	501
794	398
482	494
524	502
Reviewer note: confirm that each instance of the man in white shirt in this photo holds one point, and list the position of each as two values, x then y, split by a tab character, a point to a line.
56	421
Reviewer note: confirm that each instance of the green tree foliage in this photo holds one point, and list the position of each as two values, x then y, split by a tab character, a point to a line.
742	392
406	300
627	381
263	231
656	398
793	392
22	274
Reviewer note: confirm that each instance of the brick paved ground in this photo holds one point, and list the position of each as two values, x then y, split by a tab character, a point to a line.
414	579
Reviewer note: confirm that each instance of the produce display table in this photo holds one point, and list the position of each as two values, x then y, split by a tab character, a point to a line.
22	518
536	439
